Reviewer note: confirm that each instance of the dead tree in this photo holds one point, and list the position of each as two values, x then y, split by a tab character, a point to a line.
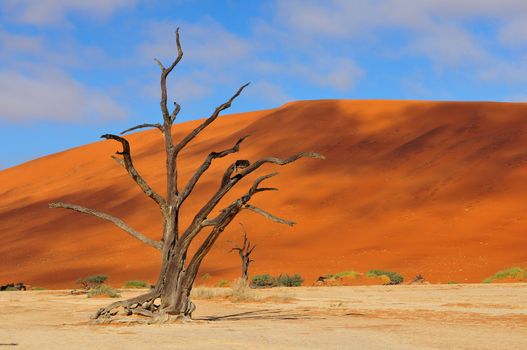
170	298
245	252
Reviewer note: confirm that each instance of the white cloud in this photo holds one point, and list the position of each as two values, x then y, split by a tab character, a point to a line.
449	45
514	33
213	57
335	72
187	89
270	92
55	12
510	72
52	96
34	83
204	42
13	44
444	32
338	19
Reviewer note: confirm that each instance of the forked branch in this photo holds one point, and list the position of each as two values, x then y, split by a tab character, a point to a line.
164	74
205	166
226	216
129	166
118	222
228	182
207	121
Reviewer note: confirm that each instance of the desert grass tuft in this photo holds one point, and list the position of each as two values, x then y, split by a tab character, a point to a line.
103	290
209	293
136	284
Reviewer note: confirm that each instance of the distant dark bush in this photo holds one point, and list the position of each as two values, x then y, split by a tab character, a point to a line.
285	280
136	284
394	277
263	281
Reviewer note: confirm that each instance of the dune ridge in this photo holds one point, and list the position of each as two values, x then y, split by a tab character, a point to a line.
416	187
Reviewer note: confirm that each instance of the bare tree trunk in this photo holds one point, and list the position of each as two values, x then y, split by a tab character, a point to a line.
170	298
245	252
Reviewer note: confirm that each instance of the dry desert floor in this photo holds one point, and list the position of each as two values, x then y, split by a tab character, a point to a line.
469	316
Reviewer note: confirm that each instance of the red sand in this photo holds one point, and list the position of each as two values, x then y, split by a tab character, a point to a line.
431	188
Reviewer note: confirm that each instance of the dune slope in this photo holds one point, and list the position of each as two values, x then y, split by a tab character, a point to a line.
431	188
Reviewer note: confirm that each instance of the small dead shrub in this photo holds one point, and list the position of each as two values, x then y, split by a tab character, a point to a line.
242	292
209	293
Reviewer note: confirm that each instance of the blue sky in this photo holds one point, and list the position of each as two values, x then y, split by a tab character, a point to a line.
71	70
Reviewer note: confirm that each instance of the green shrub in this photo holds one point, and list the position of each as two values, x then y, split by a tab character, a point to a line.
92	281
263	281
285	280
205	277
103	290
223	283
136	284
512	272
11	289
345	274
395	278
97	279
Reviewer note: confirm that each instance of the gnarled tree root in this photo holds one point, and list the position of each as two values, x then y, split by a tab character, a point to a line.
144	305
147	305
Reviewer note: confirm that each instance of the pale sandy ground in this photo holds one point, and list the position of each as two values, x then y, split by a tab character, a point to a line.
370	317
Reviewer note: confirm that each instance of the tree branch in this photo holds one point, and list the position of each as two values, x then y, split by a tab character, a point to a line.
268	215
205	166
142	126
228	182
119	161
179	53
279	161
164	74
129	166
239	203
159	64
118	222
207	121
175	112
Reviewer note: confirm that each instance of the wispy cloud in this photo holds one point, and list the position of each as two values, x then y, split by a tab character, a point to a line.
52	96
205	42
37	76
55	12
440	31
339	73
269	92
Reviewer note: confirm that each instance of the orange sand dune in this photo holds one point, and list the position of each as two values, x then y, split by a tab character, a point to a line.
431	188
